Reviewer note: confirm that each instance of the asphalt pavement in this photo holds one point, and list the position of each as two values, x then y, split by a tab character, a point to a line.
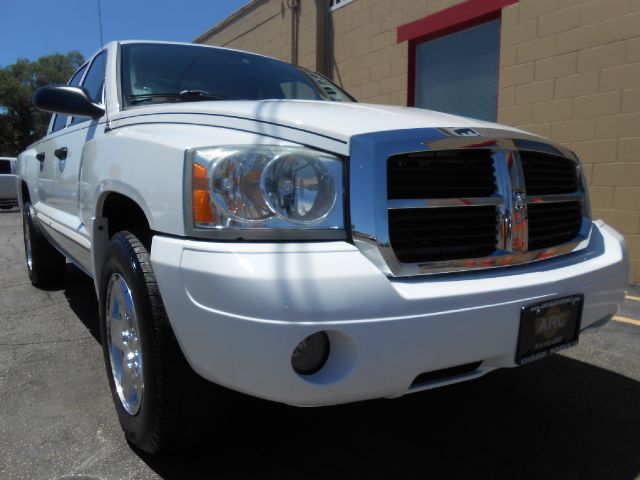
574	415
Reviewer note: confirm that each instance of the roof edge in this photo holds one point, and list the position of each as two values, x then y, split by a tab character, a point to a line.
245	9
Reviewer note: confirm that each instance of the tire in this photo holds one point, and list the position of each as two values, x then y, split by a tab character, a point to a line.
153	391
45	264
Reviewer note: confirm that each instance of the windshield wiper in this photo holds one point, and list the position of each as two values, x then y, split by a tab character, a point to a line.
183	96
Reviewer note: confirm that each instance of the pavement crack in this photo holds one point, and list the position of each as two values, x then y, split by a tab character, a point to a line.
44	342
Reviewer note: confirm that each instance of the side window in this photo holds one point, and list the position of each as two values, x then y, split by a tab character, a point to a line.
61	120
94	82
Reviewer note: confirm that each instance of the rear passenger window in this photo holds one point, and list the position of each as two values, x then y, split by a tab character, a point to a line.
61	120
94	82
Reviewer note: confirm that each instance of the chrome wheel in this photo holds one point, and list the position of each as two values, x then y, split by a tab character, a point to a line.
124	344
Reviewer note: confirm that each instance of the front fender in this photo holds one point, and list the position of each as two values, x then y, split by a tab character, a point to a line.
146	164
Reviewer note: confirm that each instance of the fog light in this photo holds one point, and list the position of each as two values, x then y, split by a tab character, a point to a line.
311	354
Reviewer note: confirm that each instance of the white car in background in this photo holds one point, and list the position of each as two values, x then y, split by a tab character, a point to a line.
8	193
248	220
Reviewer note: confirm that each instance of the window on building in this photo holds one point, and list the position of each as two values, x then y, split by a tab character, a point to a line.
458	73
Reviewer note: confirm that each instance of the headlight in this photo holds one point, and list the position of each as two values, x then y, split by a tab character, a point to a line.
299	188
265	187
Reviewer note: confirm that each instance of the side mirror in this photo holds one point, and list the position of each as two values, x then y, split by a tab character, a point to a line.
67	100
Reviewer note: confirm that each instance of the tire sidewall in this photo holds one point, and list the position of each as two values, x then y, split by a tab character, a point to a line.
48	263
29	228
122	260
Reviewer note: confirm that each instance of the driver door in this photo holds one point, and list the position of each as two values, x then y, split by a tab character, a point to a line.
45	154
68	153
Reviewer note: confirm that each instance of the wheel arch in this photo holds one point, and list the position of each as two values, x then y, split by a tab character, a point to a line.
117	211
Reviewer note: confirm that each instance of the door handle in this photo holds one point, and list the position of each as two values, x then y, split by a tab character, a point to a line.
61	153
40	157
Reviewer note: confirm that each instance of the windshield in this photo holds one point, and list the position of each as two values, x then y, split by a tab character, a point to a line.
158	73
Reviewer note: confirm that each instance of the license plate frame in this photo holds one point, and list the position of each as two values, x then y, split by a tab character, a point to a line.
548	327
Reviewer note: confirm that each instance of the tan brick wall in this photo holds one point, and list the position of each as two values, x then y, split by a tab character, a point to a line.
368	62
570	70
266	28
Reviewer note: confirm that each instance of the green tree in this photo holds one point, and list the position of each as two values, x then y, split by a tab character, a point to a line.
20	123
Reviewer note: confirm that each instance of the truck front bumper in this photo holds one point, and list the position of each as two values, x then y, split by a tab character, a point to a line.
239	309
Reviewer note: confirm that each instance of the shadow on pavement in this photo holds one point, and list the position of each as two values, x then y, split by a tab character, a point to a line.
79	291
558	418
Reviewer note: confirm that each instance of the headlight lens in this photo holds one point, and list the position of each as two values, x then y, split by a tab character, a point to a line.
235	184
299	188
266	187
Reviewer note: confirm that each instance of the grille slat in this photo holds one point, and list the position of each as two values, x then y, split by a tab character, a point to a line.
561	178
539	229
556	220
443	236
440	193
430	229
546	174
555	215
446	213
442	174
552	224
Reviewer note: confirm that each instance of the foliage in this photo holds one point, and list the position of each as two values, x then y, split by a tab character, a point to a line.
20	123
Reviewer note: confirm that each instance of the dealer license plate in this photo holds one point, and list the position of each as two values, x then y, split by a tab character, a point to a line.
548	327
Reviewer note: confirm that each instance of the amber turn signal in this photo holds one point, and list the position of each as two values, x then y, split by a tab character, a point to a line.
202	212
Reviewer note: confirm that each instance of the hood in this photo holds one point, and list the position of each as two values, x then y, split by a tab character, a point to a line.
331	119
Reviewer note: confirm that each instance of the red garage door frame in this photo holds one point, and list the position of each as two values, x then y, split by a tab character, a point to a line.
453	19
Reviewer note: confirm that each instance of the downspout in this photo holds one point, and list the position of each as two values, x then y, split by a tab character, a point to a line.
294	8
322	38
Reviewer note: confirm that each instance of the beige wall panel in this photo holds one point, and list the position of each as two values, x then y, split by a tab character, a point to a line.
595	104
570	69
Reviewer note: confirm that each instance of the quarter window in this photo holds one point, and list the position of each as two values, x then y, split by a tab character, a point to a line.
94	82
61	120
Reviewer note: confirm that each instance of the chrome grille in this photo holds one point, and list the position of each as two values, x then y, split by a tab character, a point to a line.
415	218
449	231
546	174
552	224
444	174
433	234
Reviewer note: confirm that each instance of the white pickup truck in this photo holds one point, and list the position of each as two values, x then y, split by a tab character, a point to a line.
249	219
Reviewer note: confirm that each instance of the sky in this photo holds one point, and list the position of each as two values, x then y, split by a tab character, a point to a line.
33	28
